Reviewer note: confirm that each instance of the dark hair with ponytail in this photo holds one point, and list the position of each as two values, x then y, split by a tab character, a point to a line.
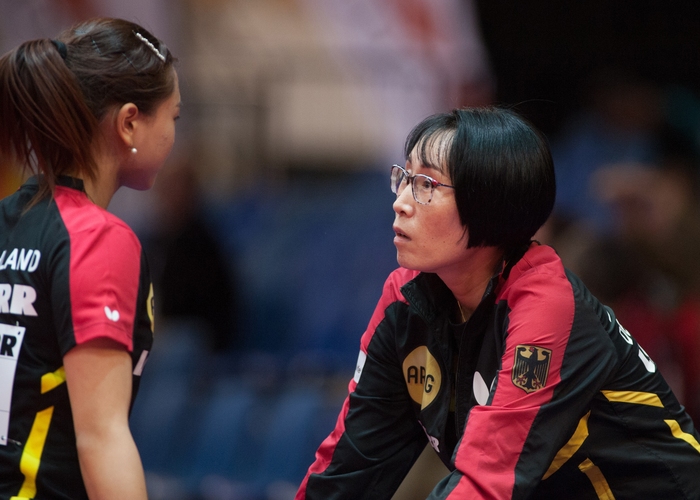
53	93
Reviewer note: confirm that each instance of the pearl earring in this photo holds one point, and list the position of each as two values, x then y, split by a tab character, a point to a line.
133	151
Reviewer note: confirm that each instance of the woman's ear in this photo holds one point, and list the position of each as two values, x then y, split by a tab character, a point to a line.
126	123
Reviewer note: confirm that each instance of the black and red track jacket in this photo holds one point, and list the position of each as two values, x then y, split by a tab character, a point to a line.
542	394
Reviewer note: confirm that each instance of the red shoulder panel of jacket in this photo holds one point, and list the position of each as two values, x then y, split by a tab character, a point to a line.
105	261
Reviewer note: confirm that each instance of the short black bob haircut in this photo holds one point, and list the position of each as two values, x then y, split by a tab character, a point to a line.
501	168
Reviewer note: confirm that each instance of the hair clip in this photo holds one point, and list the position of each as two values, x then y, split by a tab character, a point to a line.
150	45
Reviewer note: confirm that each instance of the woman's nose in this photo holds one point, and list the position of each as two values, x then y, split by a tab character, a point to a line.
404	200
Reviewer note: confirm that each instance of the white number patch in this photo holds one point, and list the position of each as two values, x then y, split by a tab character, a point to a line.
11	338
648	363
625	334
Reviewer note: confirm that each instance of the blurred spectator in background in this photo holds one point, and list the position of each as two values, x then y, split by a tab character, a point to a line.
658	241
410	57
628	217
618	124
327	86
191	273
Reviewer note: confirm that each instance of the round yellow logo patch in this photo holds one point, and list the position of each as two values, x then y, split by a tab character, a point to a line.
150	308
422	374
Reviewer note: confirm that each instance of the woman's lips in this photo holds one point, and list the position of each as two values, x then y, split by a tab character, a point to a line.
400	235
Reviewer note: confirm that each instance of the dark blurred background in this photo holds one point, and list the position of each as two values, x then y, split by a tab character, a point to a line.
545	53
269	230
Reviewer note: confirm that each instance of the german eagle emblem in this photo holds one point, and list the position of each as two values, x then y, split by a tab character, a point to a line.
531	367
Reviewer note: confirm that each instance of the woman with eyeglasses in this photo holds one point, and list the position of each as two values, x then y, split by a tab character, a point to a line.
86	114
484	346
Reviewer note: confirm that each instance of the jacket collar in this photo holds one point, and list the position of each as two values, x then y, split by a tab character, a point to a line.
431	298
70	182
61	180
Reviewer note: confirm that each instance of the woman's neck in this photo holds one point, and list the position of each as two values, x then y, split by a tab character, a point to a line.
469	283
101	188
100	191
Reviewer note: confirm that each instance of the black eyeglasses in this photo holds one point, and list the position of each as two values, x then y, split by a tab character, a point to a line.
422	185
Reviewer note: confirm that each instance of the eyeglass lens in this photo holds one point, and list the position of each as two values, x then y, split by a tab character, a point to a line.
422	187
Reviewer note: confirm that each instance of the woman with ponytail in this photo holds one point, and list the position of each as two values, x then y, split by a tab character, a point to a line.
84	114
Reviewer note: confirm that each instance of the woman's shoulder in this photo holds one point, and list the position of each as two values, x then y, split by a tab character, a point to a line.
539	272
401	276
397	279
538	260
84	219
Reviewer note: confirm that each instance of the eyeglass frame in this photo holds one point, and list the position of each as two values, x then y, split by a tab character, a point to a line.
410	179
